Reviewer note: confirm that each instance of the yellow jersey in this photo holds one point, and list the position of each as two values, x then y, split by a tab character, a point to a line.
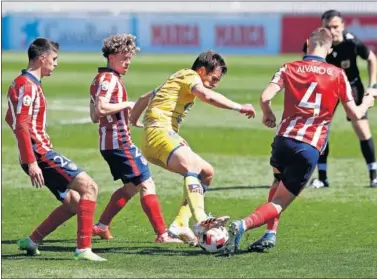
170	103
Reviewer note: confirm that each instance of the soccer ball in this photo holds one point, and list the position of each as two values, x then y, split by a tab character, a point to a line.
213	240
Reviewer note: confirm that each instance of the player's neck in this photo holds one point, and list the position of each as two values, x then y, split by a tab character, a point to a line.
35	71
317	53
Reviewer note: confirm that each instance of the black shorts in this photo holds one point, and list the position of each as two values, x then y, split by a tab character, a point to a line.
58	172
127	164
295	160
358	92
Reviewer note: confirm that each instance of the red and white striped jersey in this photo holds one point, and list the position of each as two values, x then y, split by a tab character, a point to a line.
312	90
26	115
113	129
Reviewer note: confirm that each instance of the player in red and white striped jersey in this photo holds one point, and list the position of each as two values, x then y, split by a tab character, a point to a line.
26	116
113	128
110	107
312	89
26	120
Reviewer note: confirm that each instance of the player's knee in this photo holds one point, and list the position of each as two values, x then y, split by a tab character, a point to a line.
129	190
183	160
85	186
207	174
277	179
91	189
71	201
147	187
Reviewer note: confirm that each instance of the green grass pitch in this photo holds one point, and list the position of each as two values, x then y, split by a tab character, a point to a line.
325	233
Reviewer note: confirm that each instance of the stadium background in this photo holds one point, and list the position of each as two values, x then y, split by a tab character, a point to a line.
229	27
326	233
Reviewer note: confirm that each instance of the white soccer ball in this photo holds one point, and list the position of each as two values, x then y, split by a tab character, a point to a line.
213	240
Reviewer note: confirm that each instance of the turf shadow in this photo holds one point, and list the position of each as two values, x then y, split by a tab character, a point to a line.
238	188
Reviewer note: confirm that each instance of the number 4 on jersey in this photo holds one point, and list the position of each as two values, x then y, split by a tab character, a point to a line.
316	105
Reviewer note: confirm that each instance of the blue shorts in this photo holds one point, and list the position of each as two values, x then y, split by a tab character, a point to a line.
295	160
127	164
58	172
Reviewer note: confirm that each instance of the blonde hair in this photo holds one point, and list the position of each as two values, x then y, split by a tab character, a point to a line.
320	37
119	43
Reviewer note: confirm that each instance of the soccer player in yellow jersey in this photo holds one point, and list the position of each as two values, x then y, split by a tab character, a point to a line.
166	107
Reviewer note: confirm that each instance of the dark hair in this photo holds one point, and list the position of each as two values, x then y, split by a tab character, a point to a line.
320	37
328	15
210	60
40	46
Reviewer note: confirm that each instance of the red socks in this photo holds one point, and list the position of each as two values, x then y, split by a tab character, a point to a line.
117	201
54	220
85	217
152	209
261	215
272	224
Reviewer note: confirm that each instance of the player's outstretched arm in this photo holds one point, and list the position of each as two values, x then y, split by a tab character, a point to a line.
355	112
138	108
218	100
268	94
103	107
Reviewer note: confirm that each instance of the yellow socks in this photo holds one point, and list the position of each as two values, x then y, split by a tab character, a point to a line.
184	214
195	196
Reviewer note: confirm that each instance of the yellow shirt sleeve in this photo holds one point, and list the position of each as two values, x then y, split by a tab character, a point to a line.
191	80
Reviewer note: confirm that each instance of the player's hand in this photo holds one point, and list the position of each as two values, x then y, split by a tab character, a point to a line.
269	120
36	175
248	110
137	124
372	92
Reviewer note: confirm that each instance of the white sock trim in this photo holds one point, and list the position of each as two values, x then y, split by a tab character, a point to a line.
102	226
322	167
372	166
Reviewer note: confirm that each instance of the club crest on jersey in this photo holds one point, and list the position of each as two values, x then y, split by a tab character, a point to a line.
335	54
196	188
345	64
105	85
26	100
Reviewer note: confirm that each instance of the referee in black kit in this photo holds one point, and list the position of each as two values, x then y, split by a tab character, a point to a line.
346	48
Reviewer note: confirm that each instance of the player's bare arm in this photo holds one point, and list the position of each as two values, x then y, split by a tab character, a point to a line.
355	112
372	69
139	107
103	107
268	94
218	100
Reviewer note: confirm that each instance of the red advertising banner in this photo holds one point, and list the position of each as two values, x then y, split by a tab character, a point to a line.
175	35
296	28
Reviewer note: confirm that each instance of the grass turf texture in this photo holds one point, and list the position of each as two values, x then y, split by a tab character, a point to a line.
325	232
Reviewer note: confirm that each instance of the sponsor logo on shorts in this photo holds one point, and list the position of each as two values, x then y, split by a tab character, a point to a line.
196	188
72	166
143	160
